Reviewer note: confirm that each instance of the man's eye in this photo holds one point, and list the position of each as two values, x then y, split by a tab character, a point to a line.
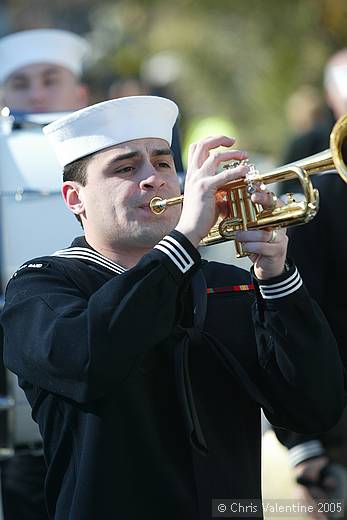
164	164
125	169
20	86
49	82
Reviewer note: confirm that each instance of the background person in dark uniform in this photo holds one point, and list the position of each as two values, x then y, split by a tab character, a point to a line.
40	71
143	365
320	251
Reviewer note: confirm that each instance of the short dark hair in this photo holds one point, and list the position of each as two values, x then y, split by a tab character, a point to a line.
76	171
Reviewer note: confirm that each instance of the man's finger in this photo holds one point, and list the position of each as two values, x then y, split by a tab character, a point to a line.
215	159
275	235
222	178
202	148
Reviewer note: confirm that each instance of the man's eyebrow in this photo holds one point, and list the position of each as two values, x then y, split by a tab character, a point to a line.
22	76
137	154
17	76
49	71
123	157
162	151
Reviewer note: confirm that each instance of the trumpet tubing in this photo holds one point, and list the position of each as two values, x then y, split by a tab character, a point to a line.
243	214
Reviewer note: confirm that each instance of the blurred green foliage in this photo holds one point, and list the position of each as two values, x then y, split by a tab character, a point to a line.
237	58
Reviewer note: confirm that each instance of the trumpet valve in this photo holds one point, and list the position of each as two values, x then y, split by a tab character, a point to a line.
290	198
228	227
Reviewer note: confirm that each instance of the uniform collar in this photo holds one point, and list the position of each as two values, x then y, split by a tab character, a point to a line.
81	250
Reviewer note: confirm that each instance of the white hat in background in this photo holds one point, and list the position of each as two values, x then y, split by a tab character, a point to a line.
337	75
109	123
55	46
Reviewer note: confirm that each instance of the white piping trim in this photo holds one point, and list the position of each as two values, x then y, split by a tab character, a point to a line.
269	289
281	289
87	254
284	282
81	257
174	250
91	257
171	256
185	260
179	246
281	295
305	451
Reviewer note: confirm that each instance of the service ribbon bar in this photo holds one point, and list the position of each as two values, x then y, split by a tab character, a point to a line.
230	288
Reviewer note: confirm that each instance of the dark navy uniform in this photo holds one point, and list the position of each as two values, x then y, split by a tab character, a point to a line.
319	249
147	383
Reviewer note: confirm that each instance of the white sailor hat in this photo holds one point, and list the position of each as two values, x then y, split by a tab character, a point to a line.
42	46
109	123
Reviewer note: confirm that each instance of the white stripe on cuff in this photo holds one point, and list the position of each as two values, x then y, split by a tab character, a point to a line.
280	284
281	289
304	451
176	252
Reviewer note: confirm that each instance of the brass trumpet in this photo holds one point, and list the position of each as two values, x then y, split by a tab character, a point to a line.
243	214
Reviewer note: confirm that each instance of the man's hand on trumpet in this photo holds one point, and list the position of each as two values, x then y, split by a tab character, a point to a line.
267	248
199	206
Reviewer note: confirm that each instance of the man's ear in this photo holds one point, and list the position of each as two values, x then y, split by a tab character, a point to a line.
71	192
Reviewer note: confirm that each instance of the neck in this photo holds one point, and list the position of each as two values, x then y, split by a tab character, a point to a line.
126	258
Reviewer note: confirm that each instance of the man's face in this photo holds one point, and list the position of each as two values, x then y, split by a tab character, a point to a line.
120	183
43	88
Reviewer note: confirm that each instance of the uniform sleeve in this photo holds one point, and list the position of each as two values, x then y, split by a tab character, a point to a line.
64	342
300	447
301	368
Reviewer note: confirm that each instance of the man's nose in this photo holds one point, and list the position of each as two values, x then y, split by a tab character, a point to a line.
37	93
152	180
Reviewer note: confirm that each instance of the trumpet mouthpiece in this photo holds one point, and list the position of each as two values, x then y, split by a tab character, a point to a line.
157	205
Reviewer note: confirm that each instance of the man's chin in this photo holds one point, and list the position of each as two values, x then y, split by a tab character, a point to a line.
147	235
150	236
